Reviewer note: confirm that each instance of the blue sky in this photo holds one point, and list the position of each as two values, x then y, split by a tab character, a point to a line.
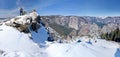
62	7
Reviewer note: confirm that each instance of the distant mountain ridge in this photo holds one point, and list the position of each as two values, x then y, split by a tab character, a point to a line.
83	25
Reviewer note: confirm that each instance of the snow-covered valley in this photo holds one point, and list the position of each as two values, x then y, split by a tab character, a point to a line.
14	43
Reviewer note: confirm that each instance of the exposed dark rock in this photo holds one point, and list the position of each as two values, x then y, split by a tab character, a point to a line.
38	19
16	24
79	41
34	26
51	39
24	28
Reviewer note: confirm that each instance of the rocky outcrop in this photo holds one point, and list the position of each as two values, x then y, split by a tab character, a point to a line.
32	25
22	23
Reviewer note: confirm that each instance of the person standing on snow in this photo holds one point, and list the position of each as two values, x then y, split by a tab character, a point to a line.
21	11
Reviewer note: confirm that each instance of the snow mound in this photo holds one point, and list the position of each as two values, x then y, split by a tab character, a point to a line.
11	40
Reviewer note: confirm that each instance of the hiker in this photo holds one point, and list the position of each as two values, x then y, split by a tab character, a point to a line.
21	11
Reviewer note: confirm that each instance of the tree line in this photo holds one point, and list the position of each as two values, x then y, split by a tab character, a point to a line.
112	36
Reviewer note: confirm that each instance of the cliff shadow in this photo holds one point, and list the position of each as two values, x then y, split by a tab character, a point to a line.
117	54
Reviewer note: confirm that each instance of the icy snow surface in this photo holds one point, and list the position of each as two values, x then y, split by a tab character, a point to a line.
81	49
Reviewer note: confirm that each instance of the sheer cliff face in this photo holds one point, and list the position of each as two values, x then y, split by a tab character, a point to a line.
73	23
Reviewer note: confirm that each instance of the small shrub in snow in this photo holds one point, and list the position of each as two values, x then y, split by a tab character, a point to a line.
79	41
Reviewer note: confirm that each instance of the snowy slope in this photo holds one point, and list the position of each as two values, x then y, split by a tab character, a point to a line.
11	40
84	49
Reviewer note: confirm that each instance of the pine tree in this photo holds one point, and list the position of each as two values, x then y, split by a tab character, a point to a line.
113	35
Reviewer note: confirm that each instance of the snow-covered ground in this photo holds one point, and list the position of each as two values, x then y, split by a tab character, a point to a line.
101	48
14	43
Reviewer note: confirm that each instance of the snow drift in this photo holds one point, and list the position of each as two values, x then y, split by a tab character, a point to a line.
101	48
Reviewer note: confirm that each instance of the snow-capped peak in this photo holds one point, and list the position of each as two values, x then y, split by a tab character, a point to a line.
102	17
